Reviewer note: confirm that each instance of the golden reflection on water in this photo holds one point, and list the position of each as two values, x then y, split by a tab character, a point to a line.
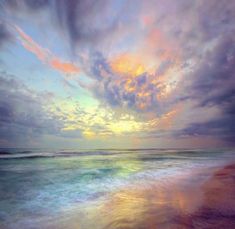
144	204
184	203
144	207
154	205
147	208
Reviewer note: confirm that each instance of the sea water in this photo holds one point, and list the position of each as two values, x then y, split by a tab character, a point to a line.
42	188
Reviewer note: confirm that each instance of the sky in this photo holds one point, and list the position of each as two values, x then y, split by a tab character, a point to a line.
117	74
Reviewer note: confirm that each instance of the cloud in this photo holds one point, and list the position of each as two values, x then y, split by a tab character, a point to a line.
219	128
147	58
64	67
30	5
36	4
23	117
5	35
127	83
212	86
81	21
45	55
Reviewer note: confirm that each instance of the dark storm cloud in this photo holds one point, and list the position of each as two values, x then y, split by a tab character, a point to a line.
22	115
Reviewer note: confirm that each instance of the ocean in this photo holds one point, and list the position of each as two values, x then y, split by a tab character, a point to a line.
113	188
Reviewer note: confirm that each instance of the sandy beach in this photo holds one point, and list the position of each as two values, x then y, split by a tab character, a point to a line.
218	206
209	206
184	204
214	206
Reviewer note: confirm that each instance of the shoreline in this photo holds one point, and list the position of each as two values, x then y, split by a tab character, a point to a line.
218	208
201	199
209	205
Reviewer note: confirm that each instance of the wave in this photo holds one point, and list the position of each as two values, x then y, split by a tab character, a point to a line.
141	154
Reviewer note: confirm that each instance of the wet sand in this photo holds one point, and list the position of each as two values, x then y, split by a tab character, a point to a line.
218	206
216	209
199	200
206	205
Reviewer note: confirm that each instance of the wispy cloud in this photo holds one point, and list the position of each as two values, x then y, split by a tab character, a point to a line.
45	55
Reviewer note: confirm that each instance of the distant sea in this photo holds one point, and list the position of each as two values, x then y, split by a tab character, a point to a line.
92	189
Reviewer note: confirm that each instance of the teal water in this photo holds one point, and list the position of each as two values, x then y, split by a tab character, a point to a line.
35	184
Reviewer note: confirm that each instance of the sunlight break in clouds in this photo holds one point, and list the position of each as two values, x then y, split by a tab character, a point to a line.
154	72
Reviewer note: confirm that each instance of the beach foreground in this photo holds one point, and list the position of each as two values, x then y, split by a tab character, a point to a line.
140	190
208	206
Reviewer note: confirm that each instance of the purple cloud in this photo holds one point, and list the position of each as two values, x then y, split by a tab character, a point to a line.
23	118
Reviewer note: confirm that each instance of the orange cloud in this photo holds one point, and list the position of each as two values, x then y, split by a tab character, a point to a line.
31	45
127	64
45	55
166	121
152	52
65	67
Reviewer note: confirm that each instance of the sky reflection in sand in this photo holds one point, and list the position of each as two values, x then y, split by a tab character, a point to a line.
177	205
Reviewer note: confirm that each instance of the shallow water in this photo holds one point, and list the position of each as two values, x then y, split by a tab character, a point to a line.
102	188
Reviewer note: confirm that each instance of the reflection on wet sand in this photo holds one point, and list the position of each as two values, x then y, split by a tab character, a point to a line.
149	207
203	199
181	205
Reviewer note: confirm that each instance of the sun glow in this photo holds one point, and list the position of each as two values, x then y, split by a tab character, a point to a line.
129	65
